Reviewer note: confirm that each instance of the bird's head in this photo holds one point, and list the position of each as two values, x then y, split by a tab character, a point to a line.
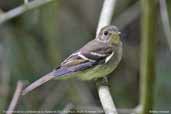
109	34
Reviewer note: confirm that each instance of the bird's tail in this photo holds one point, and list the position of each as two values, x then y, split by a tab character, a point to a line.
56	73
37	83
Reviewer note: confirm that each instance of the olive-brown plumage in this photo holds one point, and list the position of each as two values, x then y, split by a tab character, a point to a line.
96	59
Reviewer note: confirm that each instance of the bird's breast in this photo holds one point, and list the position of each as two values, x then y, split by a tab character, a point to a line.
103	69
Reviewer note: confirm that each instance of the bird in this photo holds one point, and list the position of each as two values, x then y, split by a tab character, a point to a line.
96	59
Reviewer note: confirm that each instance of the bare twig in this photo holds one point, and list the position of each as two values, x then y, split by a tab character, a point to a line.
137	109
67	108
103	90
165	21
26	1
106	100
15	98
22	9
106	14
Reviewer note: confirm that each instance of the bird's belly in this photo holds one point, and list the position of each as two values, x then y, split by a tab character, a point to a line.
96	72
89	74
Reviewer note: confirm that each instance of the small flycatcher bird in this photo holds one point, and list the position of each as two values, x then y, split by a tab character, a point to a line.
96	59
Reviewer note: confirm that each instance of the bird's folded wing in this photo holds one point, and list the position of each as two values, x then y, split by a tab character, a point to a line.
96	54
83	59
62	71
97	51
99	55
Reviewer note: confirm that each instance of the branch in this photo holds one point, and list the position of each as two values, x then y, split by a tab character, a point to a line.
147	69
106	100
106	14
67	108
103	90
15	98
22	9
137	110
165	21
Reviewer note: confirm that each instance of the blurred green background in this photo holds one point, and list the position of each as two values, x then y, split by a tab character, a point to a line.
34	43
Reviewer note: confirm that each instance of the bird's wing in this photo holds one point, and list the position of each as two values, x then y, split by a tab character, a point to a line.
62	71
92	52
82	59
97	51
72	64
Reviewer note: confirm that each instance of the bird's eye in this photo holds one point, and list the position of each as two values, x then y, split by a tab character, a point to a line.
106	33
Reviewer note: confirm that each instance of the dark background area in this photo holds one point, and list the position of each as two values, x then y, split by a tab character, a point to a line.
34	43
